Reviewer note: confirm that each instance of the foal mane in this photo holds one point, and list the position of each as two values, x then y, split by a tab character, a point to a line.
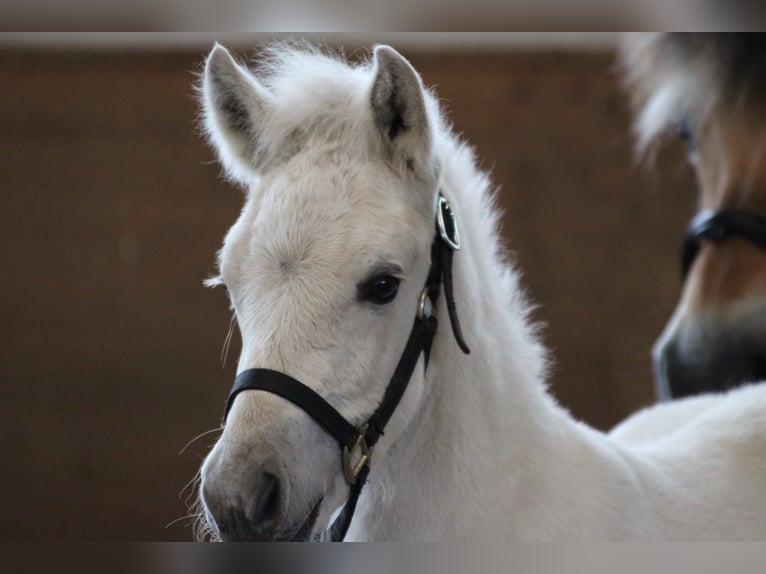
674	77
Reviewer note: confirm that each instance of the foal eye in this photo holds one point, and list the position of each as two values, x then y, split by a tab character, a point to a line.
381	289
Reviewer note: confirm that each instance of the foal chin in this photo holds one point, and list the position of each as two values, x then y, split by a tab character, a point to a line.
255	486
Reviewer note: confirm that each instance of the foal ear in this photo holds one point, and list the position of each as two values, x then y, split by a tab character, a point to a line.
399	110
235	106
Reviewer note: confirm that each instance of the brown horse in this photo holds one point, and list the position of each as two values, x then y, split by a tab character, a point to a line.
710	88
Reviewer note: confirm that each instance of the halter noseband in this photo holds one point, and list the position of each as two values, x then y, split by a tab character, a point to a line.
355	442
717	226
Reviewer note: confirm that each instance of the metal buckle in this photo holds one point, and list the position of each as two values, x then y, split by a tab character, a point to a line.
424	301
352	469
444	209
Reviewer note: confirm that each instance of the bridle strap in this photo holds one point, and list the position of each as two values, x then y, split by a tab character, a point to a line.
339	528
299	394
718	226
419	342
446	264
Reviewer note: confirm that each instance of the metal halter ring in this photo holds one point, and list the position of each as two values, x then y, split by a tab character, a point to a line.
444	209
352	469
423	303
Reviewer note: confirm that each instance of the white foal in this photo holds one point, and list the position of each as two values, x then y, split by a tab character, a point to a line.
325	266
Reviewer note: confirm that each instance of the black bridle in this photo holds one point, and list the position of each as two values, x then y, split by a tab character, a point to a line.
357	442
718	226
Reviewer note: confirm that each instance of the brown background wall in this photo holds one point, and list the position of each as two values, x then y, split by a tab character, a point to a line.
111	211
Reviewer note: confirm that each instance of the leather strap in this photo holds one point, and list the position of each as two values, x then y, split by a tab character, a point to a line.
339	528
299	394
446	265
420	340
717	226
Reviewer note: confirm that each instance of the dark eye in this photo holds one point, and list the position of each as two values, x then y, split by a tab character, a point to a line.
381	289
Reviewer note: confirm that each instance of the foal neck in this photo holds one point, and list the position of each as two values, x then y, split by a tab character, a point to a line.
481	411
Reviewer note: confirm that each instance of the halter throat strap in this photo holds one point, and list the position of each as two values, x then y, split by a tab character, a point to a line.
356	443
718	226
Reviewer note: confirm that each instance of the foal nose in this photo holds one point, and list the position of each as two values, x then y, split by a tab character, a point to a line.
249	507
719	365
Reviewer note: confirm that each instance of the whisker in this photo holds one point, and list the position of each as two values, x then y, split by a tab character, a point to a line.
202	529
190	517
199	436
192	497
227	341
192	483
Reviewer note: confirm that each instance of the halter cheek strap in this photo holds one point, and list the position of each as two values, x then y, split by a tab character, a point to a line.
357	443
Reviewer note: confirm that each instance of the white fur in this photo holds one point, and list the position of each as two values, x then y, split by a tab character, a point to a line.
478	449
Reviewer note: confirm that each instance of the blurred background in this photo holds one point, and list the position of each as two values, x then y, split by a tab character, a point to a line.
112	209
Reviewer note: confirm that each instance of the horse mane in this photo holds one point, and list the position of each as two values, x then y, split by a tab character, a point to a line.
683	77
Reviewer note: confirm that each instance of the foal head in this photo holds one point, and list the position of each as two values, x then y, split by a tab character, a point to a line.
323	267
713	86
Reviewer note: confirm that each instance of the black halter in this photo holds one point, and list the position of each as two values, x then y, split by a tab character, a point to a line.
357	442
717	226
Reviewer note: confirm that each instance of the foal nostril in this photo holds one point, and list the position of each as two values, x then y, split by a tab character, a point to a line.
266	506
246	506
259	512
